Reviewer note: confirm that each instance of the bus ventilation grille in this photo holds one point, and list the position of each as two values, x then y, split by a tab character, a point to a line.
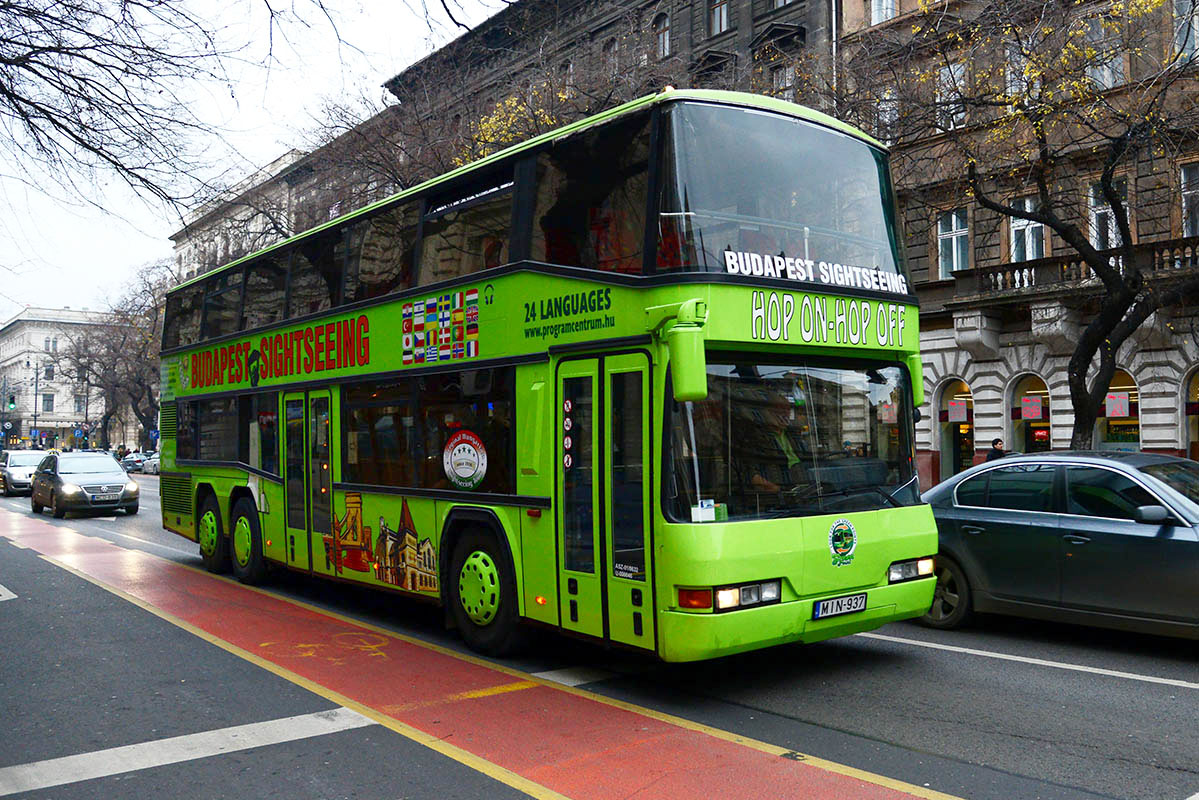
176	493
168	420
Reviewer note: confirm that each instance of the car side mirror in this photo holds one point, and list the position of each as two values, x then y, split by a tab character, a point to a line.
1152	515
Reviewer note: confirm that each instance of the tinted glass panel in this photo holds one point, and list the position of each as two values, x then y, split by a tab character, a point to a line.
467	232
754	185
222	304
792	439
182	323
1024	488
1097	492
316	273
321	478
258	433
578	506
973	492
396	433
185	430
1181	476
382	252
628	477
216	424
294	410
266	288
591	197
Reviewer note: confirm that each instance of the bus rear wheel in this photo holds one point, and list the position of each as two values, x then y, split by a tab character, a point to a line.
214	547
482	596
249	567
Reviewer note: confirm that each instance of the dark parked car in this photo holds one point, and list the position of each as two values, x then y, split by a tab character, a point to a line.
16	470
82	482
1106	539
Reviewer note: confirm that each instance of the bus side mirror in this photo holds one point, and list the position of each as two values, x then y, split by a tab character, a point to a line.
688	365
682	326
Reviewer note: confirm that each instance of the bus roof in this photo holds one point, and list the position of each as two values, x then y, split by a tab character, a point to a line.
668	95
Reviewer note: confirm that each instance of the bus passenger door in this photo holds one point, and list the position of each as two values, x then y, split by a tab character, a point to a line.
580	594
627	482
603	500
307	475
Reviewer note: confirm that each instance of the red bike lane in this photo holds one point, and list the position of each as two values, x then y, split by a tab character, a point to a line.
541	737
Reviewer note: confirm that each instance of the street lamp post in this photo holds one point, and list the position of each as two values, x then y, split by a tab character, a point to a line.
36	376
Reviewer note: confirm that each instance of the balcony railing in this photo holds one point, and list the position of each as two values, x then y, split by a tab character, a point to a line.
1070	271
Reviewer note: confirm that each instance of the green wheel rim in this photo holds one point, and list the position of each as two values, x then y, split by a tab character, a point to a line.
208	533
479	588
242	541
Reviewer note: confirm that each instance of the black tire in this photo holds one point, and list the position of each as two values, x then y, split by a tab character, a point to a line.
502	635
7	489
131	510
218	560
952	599
34	505
55	509
254	570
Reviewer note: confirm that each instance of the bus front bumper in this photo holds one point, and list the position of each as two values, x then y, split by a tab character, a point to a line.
684	636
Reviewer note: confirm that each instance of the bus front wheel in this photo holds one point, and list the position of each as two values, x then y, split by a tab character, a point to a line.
246	539
482	596
214	547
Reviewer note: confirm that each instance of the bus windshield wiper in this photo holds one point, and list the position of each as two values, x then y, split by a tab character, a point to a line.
861	490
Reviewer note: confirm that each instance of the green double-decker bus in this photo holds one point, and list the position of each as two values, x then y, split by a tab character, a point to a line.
649	378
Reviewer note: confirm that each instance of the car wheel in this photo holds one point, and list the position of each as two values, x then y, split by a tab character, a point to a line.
249	566
34	505
56	508
951	598
7	488
482	596
131	510
214	547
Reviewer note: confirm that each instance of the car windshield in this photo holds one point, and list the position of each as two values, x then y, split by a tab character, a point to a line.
792	439
25	459
1181	476
86	463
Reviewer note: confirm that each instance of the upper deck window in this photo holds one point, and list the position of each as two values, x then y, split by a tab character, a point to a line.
766	195
591	196
316	274
467	231
222	304
382	253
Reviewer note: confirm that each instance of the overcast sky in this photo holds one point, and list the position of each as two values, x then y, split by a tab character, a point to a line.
63	254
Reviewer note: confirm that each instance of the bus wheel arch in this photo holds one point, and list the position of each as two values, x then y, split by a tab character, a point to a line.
210	533
479	585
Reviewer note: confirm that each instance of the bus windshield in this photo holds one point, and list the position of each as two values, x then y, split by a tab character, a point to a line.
748	191
792	439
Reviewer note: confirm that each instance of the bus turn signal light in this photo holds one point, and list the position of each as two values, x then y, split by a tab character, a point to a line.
695	598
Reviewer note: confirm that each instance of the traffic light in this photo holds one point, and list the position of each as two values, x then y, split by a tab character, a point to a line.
12	402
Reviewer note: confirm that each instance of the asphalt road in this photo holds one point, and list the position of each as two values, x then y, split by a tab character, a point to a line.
1005	709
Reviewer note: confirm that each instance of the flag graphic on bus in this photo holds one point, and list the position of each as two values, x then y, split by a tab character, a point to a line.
441	328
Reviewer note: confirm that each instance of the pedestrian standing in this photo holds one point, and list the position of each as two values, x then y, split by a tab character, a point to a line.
997	450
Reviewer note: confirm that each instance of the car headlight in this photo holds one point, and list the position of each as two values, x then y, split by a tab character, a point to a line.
131	488
70	488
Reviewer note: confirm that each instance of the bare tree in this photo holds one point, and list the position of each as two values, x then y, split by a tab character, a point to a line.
118	354
1013	102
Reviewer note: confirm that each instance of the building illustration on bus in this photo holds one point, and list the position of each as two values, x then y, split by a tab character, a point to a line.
647	378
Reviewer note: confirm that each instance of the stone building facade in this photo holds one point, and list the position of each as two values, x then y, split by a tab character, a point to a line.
51	407
1003	301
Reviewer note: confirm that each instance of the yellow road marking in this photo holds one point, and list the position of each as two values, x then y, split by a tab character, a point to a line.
493	769
503	688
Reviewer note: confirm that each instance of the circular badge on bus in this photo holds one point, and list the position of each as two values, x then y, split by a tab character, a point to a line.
842	541
465	460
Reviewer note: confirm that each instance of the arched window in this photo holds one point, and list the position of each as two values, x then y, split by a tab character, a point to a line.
1029	412
956	418
662	34
1119	424
611	56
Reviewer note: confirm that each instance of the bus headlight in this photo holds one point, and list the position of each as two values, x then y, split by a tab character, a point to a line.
902	571
748	594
